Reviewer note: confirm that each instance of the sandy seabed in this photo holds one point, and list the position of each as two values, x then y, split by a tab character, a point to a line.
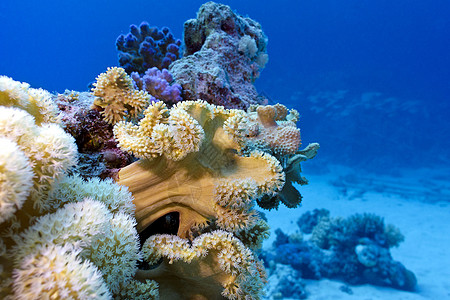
417	202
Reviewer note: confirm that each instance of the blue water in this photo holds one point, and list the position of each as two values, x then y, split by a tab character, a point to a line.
371	79
398	49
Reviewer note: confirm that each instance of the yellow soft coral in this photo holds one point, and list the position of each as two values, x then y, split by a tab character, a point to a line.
214	264
205	180
117	96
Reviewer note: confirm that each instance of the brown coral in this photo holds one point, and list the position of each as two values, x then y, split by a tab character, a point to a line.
207	181
215	264
117	96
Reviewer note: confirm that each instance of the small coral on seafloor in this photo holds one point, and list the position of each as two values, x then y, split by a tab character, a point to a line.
117	96
145	47
353	249
224	53
158	83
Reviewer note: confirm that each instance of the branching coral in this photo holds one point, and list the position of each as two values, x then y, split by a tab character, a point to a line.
353	249
158	83
117	95
146	47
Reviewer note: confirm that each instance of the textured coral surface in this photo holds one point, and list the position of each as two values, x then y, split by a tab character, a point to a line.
224	54
145	47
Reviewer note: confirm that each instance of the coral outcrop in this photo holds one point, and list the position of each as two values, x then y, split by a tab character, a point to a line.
224	53
353	249
145	47
178	219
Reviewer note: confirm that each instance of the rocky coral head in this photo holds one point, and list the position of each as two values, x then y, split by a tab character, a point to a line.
224	53
216	17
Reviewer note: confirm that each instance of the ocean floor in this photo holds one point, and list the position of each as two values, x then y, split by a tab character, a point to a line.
417	202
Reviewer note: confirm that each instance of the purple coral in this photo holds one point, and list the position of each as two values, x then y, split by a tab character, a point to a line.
145	47
158	84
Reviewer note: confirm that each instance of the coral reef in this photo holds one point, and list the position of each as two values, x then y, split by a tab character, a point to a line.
224	53
354	249
117	96
145	47
197	174
98	154
177	219
158	83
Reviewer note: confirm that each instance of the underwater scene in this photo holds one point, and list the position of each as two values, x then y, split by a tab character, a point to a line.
289	149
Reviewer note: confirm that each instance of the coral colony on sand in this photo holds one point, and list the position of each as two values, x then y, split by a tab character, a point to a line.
354	250
147	186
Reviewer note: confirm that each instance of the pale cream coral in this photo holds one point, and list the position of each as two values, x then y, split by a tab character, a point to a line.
214	264
115	251
56	272
48	148
66	226
117	96
36	102
16	178
74	188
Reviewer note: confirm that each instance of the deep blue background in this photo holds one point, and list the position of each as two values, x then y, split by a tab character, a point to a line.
398	48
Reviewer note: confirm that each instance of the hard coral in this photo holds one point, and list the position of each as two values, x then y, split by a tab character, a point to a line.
158	83
146	47
224	53
117	96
